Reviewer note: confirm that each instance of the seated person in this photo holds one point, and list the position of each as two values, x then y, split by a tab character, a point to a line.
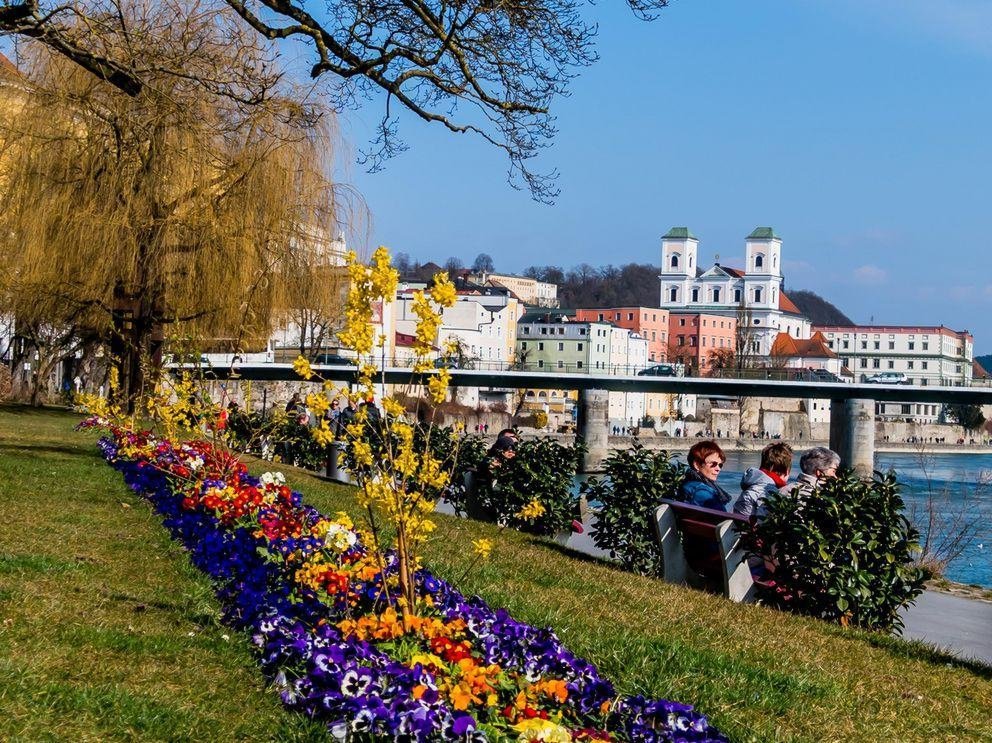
756	484
817	465
699	487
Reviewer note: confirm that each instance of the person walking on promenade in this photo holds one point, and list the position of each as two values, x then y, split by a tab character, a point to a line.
699	487
756	484
817	465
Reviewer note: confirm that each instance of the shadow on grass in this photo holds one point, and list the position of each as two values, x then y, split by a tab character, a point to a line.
918	650
47	449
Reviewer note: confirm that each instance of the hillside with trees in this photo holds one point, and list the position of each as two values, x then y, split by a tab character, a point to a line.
817	309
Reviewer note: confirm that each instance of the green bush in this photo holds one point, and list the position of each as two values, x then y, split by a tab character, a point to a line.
842	552
636	480
542	469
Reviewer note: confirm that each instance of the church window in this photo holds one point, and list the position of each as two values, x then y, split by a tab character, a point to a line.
737	295
759	260
695	295
716	294
675	260
690	261
774	261
757	294
673	294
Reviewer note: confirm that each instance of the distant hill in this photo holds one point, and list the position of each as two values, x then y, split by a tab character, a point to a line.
817	309
986	362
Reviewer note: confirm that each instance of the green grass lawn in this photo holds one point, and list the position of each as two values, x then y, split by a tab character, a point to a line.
107	633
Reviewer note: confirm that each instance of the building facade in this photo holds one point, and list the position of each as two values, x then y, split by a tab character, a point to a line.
650	323
697	340
529	291
753	295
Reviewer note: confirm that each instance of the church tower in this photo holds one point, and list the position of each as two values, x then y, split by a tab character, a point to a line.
763	268
679	249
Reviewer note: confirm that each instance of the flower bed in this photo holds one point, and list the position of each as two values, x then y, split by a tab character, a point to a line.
323	615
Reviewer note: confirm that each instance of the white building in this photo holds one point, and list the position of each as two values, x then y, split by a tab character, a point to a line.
529	291
628	353
927	355
757	289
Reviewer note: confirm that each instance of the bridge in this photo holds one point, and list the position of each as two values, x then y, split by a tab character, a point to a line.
852	406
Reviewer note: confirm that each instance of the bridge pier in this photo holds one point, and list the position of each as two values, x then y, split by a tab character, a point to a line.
852	434
593	427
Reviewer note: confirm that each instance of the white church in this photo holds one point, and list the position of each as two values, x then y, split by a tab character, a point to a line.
719	290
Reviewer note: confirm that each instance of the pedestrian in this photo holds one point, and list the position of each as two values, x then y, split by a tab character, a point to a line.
757	484
699	488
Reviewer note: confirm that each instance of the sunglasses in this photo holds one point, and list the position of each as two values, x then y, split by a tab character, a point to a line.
717	465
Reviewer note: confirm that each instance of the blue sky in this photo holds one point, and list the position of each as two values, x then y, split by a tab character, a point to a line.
859	129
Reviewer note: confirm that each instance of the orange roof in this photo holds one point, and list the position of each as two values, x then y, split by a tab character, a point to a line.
8	69
815	347
978	371
787	305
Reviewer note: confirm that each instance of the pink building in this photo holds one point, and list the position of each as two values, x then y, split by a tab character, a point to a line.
695	337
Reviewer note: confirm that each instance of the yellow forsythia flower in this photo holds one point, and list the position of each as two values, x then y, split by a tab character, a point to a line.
531	511
483	547
302	367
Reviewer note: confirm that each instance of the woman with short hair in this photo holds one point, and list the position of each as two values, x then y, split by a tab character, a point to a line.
699	488
817	465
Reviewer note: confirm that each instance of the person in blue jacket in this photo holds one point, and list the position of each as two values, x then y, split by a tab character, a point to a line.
699	487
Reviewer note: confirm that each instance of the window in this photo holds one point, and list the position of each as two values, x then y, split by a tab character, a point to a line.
926	346
526	330
876	363
561	346
682	322
544	331
877	345
695	295
737	295
759	260
907	409
704	341
616	315
561	331
675	260
864	345
579	346
601	317
913	345
561	364
681	340
540	363
925	364
864	363
653	335
579	365
630	315
540	346
582	331
909	364
524	345
892	364
892	346
846	344
692	341
673	295
716	294
757	294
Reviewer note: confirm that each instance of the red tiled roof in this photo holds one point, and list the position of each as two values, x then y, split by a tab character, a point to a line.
733	271
815	347
8	69
787	305
978	371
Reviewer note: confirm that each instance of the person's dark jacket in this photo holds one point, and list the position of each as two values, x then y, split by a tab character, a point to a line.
698	491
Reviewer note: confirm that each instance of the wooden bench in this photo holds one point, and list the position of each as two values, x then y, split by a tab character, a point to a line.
702	548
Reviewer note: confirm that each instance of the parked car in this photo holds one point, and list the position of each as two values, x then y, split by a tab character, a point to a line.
888	378
658	370
333	359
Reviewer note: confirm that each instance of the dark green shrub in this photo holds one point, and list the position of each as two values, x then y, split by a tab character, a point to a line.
842	552
636	479
542	469
450	446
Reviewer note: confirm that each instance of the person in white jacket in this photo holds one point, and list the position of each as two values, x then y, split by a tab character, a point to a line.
757	484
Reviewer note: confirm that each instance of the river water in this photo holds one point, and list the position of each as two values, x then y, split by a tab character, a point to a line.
961	487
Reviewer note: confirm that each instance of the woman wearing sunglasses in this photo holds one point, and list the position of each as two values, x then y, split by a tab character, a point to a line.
699	487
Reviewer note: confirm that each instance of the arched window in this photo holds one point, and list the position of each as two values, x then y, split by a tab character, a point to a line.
675	260
774	261
716	294
759	260
673	294
695	295
757	294
737	296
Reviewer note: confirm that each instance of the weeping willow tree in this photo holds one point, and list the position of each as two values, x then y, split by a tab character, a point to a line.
196	207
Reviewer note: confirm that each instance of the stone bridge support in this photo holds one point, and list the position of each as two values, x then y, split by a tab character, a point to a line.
852	434
594	428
